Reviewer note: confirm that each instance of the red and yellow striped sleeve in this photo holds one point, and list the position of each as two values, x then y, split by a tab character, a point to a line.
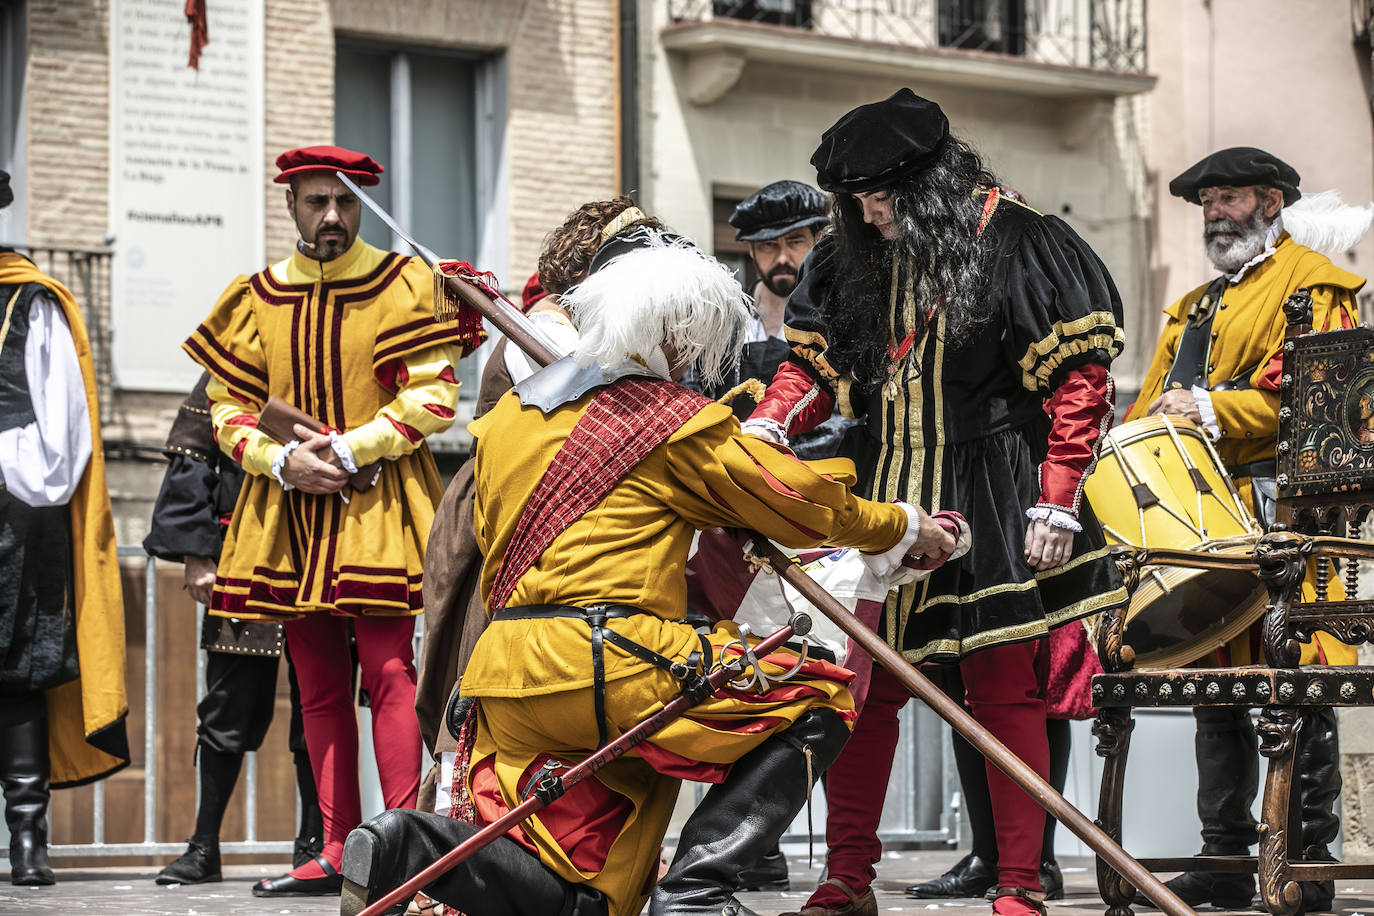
721	478
235	422
426	385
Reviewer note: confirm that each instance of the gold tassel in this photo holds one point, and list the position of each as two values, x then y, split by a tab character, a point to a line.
753	387
447	306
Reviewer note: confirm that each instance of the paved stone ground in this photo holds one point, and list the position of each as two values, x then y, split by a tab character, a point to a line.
131	892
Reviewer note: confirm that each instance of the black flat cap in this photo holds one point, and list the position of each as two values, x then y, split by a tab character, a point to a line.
634	238
879	143
773	211
1237	167
6	193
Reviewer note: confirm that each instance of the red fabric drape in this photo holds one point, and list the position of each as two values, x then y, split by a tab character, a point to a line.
200	31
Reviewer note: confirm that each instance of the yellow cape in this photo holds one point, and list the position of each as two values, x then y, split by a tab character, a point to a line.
86	730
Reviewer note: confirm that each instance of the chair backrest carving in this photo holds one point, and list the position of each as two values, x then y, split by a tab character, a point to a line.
1325	482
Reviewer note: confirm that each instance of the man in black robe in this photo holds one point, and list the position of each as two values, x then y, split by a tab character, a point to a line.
974	337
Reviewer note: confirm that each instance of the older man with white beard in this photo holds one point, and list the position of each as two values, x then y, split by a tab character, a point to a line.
1218	363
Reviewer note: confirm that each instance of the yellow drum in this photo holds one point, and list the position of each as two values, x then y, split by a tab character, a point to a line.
1159	483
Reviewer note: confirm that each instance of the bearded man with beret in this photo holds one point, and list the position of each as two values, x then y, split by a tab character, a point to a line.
974	336
780	223
1218	363
346	334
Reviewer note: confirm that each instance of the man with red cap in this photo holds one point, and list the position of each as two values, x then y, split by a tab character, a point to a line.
346	334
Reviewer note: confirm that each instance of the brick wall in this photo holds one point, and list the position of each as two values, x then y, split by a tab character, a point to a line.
67	89
561	133
298	95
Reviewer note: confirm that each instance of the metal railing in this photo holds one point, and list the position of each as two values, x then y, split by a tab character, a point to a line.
149	845
924	783
86	272
1094	34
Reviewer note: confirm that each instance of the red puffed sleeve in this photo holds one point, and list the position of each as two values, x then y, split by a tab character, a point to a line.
1080	412
796	402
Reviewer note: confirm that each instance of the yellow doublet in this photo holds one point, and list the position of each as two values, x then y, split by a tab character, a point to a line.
1247	333
353	343
632	548
535	675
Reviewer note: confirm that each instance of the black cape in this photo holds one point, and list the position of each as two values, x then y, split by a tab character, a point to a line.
967	429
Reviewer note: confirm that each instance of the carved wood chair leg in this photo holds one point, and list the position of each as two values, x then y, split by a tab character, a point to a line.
1112	729
1278	732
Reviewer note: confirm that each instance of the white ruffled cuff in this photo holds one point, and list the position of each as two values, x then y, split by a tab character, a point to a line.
279	462
1207	412
883	564
1057	518
772	429
345	453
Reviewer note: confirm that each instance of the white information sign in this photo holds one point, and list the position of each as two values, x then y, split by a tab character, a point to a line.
186	173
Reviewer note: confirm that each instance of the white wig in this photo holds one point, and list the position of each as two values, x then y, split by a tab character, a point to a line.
1325	223
664	293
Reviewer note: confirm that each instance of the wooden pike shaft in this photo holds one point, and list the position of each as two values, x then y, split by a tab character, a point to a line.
919	685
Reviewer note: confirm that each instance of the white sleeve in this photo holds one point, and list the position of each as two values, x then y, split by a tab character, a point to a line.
43	461
1207	412
556	328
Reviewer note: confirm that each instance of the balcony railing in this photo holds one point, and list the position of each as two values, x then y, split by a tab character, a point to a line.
1104	35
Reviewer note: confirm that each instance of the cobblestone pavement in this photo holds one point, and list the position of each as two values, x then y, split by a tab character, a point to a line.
131	892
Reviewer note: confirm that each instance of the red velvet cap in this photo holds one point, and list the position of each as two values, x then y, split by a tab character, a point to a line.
360	167
532	293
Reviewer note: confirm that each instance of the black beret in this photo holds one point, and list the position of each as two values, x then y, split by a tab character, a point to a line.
879	143
6	194
779	208
1237	167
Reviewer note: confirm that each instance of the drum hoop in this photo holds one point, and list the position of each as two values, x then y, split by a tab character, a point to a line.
1114	439
1190	650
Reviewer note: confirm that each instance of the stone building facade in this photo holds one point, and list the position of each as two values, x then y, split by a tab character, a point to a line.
1087	107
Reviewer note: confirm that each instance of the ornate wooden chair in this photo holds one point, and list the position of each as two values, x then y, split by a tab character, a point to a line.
1325	492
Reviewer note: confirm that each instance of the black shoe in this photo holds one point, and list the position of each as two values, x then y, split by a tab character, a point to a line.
199	864
329	884
1317	896
305	849
1051	880
1196	888
971	876
767	874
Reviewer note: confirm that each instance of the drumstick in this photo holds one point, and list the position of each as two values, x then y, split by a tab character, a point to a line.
1245	515
1200	484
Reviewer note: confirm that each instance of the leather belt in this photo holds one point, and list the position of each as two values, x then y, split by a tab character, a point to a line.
541	611
596	615
1266	468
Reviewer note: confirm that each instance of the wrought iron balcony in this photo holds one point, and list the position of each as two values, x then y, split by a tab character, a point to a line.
1057	47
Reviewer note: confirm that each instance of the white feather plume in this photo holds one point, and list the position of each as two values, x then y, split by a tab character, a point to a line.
1325	223
670	293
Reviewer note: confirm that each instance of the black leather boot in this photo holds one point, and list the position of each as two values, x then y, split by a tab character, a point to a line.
501	879
24	772
1319	786
1228	780
743	817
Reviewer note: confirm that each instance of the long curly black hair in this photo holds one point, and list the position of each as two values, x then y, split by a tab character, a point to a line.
937	213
